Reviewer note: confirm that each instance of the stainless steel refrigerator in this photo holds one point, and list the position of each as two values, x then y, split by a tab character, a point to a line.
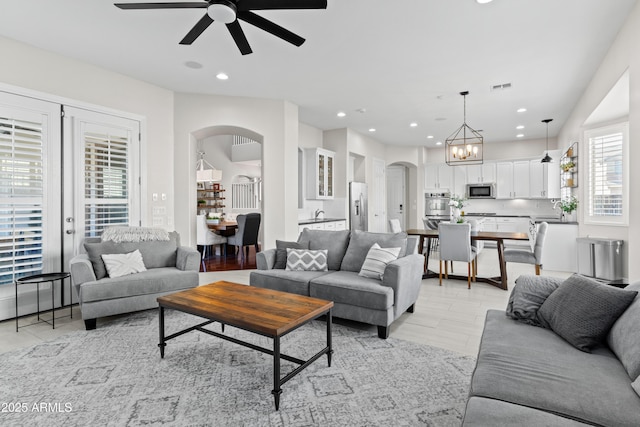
358	201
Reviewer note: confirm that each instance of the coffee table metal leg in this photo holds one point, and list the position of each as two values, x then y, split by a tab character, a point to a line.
277	391
162	344
330	352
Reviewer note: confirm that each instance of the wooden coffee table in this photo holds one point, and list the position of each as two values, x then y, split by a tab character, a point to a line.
262	311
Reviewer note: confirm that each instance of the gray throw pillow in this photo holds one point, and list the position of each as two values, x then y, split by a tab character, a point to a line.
335	242
529	293
582	310
361	242
281	252
624	338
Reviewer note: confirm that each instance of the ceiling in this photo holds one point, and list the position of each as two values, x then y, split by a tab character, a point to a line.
386	64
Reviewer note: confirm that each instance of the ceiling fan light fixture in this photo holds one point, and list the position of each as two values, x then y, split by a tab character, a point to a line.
222	11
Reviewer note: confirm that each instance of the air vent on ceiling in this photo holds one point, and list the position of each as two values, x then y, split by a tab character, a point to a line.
501	87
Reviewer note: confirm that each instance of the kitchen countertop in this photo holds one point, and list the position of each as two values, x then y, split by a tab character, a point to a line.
536	218
319	220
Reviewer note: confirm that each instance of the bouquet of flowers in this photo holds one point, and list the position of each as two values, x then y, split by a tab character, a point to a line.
569	205
457	202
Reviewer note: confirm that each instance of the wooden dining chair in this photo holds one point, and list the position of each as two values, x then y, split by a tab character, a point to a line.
455	245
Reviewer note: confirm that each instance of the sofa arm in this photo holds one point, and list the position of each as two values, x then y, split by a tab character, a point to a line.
404	275
187	259
265	260
81	271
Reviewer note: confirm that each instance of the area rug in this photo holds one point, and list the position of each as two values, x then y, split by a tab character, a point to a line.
114	376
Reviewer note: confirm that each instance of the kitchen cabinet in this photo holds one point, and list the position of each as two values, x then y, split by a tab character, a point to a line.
507	225
512	180
324	225
544	180
560	249
320	179
485	172
438	176
459	187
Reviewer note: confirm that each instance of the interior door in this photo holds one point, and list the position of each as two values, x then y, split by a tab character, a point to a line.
103	176
396	194
377	199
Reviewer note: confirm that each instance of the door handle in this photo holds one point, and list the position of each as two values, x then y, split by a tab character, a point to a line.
70	231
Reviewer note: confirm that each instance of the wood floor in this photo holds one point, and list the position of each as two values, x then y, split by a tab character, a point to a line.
218	262
448	316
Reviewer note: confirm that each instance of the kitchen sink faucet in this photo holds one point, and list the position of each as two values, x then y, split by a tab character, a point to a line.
317	213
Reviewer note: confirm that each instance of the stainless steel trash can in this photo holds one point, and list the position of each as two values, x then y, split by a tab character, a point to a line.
600	258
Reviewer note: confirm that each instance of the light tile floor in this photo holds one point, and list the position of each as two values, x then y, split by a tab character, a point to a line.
448	316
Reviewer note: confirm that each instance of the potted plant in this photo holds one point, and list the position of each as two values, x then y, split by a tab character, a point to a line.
213	219
568	166
568	206
456	203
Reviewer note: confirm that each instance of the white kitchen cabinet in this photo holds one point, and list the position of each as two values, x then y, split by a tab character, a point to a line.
438	176
512	180
485	172
325	225
459	187
320	180
544	180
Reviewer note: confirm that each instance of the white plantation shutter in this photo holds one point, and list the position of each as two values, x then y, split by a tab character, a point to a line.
21	198
106	177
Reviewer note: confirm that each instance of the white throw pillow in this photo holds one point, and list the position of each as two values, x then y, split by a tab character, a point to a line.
377	260
636	386
307	260
122	264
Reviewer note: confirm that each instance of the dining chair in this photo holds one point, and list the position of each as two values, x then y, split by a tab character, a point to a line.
207	238
478	244
246	234
528	256
455	245
394	225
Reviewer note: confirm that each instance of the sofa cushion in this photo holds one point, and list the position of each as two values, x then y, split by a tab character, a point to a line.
306	260
281	252
347	287
360	243
529	293
636	386
624	336
155	254
482	412
582	310
295	282
377	260
148	282
534	367
334	241
118	265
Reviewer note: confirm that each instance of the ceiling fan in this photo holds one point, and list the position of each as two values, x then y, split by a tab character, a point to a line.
230	11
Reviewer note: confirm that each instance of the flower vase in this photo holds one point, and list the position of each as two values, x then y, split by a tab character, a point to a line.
455	214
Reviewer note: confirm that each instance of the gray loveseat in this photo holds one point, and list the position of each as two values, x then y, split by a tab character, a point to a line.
374	301
170	268
529	376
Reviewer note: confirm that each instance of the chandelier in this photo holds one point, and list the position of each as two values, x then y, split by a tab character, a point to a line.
464	146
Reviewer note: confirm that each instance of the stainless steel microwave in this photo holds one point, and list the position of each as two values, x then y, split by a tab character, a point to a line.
481	191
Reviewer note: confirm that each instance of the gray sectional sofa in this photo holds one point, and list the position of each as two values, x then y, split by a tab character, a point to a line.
364	299
170	268
528	375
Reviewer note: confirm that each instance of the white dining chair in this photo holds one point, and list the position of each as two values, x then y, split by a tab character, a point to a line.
207	238
455	245
394	225
527	256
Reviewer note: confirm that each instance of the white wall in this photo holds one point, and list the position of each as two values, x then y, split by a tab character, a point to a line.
623	55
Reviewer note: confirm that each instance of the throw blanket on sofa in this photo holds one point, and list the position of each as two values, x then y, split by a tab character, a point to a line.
134	234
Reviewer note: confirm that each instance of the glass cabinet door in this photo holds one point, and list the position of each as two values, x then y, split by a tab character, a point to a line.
321	174
329	176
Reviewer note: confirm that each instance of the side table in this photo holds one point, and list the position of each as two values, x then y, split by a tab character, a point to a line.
43	278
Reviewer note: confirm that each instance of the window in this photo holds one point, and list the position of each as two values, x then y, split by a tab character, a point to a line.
607	200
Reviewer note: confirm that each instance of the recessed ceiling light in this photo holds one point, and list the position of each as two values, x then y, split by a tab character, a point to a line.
372	129
520	135
414	124
483	1
193	64
222	76
519	127
429	136
439	143
341	114
521	110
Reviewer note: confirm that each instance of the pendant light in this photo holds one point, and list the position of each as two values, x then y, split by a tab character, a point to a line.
547	158
464	146
210	174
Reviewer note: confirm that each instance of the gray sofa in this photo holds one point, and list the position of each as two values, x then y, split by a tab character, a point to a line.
530	376
374	301
170	268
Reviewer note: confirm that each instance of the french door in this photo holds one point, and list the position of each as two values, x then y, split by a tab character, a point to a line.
61	180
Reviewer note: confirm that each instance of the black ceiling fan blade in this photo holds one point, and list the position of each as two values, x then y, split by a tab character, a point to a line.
197	29
271	27
170	5
238	36
244	5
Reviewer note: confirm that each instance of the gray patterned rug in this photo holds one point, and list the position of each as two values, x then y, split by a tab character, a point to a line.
113	376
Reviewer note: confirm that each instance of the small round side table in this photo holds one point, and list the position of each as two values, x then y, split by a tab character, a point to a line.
43	278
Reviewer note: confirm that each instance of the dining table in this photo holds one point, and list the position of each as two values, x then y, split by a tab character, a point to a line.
496	236
224	228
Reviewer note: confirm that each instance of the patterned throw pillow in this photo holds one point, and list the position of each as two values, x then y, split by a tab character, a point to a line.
306	260
123	264
281	252
377	260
